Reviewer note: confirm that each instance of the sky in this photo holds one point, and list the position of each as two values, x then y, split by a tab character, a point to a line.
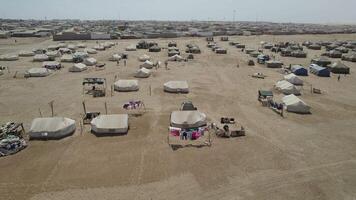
299	11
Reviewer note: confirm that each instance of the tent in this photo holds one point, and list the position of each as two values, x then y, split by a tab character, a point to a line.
339	68
26	53
176	58
52	47
90	51
147	64
154	49
78	67
322	61
126	85
64	50
8	57
173	53
51	128
131	48
319	71
176	87
220	51
72	47
188	119
292	78
80	54
299	70
99	47
67	58
110	124
81	45
287	88
40	57
51	65
37	72
143	73
90	61
115	57
53	54
294	104
144	58
274	64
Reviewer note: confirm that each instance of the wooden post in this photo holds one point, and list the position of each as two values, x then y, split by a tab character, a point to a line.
39	109
15	75
51	105
311	89
106	108
150	90
81	127
112	87
84	107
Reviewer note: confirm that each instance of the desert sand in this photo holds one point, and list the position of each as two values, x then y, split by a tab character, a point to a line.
295	157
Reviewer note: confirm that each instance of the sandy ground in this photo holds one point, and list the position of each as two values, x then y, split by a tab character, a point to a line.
296	157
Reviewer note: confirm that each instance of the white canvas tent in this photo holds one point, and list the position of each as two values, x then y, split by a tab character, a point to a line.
78	67
147	64
51	128
126	85
38	72
110	124
176	58
90	51
144	58
40	57
67	58
90	61
294	104
115	57
287	88
25	53
143	73
293	79
131	48
188	119
9	57
176	87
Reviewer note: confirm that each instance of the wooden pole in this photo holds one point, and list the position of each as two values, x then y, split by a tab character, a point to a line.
106	108
15	74
51	105
84	107
39	109
150	90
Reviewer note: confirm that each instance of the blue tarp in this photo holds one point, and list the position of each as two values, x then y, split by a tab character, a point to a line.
319	71
299	70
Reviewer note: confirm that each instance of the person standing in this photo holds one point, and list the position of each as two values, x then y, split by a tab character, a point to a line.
338	78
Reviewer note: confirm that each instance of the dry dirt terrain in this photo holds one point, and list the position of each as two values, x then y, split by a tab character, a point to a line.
295	157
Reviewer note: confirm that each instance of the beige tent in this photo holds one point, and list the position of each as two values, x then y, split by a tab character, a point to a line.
143	73
110	124
287	88
147	64
131	48
99	47
53	54
176	58
8	57
115	57
126	85
40	58
26	53
144	58
188	119
90	51
176	87
51	128
294	104
37	72
81	45
292	78
90	61
67	58
78	67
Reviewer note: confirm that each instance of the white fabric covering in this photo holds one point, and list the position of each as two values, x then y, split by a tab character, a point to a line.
131	48
287	88
26	53
144	58
90	61
115	57
293	79
51	128
188	119
176	86
8	57
147	64
294	104
110	124
126	85
67	58
38	72
90	51
40	57
143	73
79	67
176	58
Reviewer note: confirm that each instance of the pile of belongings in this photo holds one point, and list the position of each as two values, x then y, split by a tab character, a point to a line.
132	105
110	124
176	87
258	75
11	141
9	57
126	85
51	128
